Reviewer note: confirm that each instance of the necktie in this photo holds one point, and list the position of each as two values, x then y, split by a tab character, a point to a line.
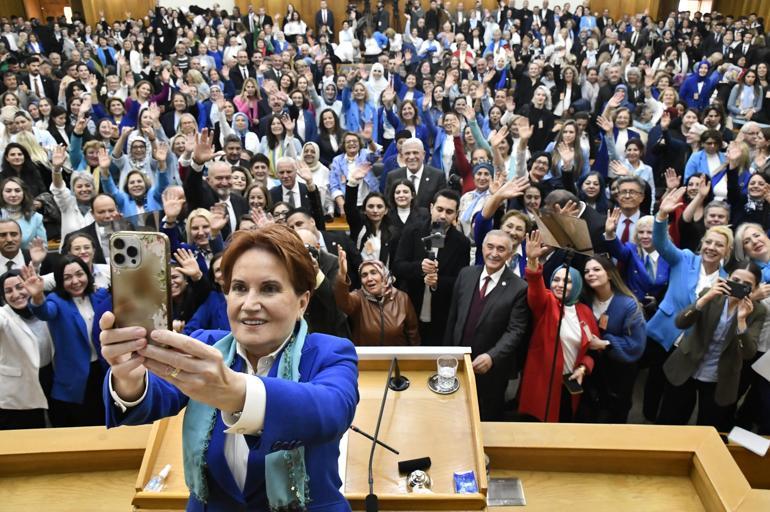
724	50
648	267
413	178
515	263
483	291
9	264
244	72
626	231
291	201
634	38
36	84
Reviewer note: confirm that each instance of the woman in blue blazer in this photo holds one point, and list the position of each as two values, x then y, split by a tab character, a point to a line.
697	87
78	366
135	197
620	344
689	274
643	270
16	203
284	397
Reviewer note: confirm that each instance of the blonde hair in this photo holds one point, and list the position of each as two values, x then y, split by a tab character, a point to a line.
250	80
725	232
740	254
36	152
198	212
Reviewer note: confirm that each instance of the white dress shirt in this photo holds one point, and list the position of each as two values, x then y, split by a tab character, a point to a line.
494	279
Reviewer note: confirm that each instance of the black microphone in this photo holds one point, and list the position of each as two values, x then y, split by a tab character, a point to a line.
371	502
398	382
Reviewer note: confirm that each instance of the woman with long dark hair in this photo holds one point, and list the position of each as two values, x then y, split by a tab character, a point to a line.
620	343
16	204
28	350
18	163
76	396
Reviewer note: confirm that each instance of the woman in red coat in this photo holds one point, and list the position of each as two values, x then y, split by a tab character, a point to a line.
571	357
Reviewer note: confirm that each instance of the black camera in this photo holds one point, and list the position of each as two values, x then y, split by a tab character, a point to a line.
738	290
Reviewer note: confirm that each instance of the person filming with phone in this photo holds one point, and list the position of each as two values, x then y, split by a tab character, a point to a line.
723	327
266	406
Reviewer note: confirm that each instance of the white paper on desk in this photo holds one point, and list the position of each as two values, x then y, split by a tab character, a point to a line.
749	440
762	366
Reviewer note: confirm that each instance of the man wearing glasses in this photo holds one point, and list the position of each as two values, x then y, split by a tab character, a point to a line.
630	197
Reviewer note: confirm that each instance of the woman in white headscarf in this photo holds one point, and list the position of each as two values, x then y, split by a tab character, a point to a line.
310	155
376	82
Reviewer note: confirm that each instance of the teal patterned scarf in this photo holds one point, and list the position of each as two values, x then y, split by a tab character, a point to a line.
286	479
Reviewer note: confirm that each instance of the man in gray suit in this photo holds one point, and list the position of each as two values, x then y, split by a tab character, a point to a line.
489	313
427	180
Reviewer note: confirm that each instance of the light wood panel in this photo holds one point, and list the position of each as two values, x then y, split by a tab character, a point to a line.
744	8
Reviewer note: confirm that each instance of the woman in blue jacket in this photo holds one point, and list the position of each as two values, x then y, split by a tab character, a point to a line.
690	274
358	109
621	340
138	196
697	87
266	406
644	271
78	366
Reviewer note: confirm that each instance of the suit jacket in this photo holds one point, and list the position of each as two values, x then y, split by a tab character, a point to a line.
72	354
407	266
200	195
683	278
322	314
309	201
319	21
237	78
49	89
20	363
700	325
503	324
432	181
318	417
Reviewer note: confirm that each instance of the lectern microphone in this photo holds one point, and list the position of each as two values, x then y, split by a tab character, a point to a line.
398	382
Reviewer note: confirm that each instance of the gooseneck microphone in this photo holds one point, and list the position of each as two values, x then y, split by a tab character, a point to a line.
398	382
371	502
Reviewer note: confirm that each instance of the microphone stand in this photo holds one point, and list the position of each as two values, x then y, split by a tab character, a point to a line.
372	504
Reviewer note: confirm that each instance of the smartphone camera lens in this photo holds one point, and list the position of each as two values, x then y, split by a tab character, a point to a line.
120	259
132	252
119	243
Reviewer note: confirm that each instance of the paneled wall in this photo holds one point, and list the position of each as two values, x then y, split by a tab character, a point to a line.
744	7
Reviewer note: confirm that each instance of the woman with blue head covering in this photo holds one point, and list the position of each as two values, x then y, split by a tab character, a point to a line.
697	87
572	360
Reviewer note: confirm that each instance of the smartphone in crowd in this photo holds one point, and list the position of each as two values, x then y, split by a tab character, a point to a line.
141	283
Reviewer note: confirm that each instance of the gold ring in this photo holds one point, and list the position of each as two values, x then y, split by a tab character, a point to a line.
173	373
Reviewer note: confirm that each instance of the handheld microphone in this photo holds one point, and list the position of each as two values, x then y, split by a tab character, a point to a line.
398	382
371	502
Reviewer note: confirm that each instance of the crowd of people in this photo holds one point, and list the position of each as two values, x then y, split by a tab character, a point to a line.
435	138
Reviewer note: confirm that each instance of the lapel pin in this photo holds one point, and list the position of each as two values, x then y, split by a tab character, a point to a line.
504	283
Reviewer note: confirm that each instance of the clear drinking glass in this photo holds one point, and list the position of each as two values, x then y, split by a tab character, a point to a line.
447	370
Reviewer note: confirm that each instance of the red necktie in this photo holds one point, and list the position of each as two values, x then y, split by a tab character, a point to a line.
626	231
483	291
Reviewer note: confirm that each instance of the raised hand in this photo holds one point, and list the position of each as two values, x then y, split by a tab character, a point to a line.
733	152
104	160
498	137
673	180
342	258
616	99
611	224
59	156
288	124
514	188
571	208
620	169
671	200
160	151
525	129
33	283
261	218
172	208
37	251
745	307
535	248
605	124
188	264
219	218
567	153
360	171
204	148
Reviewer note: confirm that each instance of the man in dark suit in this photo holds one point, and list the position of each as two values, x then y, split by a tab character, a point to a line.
242	71
744	48
275	70
426	180
324	18
105	211
216	188
296	194
13	257
381	18
489	313
39	85
428	274
328	241
322	314
638	37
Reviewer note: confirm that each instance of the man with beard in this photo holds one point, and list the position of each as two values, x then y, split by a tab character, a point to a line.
216	189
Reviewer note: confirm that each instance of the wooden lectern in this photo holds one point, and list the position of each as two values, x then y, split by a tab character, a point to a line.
417	422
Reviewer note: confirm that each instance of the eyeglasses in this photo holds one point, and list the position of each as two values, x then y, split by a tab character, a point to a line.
629	193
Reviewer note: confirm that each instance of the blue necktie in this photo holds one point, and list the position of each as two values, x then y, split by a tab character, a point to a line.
648	266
